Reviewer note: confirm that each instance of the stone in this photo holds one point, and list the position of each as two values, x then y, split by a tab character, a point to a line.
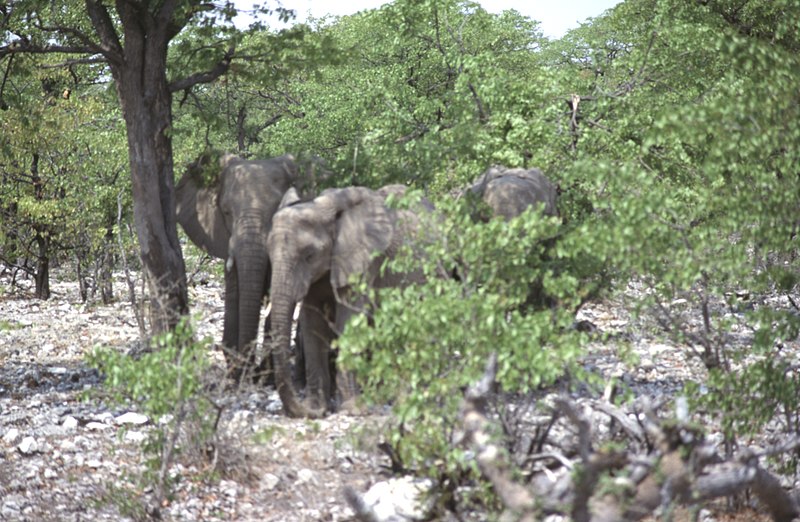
135	436
269	481
70	422
28	446
11	436
305	476
398	500
132	418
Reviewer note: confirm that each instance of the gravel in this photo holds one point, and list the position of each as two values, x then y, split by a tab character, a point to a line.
66	455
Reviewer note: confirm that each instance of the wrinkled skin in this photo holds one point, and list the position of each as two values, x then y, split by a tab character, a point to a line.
315	248
509	192
230	218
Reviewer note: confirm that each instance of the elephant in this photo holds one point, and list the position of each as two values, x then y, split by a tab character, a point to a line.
230	217
315	248
509	192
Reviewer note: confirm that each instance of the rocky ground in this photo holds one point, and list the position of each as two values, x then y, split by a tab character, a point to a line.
65	455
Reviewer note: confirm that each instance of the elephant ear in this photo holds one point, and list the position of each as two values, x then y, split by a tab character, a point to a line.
364	229
290	197
200	216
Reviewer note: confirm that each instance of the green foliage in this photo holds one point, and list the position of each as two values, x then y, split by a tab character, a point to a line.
426	343
166	385
62	165
6	326
684	167
429	92
746	400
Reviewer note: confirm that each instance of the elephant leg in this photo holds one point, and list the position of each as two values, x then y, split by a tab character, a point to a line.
316	316
346	385
299	373
230	328
265	372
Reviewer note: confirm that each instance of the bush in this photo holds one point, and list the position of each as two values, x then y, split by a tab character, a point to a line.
166	385
426	343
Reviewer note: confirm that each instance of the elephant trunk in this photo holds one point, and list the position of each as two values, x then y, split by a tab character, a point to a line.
252	268
252	276
282	313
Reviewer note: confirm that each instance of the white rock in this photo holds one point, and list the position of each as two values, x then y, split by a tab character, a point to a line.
269	481
11	436
399	500
132	418
97	426
94	463
50	474
28	446
305	476
70	422
135	436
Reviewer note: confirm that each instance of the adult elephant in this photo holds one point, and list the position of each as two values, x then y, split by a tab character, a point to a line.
227	211
315	248
510	192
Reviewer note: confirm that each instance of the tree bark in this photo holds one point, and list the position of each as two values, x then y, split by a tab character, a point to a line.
143	90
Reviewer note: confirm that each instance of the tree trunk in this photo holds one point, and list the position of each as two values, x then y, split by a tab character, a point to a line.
145	99
42	238
42	266
106	264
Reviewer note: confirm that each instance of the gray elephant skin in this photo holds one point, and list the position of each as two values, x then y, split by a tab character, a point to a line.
510	192
230	218
315	248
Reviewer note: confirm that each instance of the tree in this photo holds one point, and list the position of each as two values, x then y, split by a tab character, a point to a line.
133	40
422	92
60	143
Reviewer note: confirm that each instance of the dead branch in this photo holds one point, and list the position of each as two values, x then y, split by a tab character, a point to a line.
680	467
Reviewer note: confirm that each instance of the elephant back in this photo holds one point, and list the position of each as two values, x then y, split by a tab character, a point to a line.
510	192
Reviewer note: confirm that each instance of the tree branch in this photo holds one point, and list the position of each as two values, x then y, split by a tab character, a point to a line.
204	77
110	46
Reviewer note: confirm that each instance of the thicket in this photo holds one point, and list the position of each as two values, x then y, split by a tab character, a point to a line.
672	130
671	127
65	189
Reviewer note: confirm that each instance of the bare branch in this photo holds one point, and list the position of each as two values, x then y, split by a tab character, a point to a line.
204	77
90	60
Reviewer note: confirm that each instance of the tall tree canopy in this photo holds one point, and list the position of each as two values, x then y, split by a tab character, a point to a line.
131	39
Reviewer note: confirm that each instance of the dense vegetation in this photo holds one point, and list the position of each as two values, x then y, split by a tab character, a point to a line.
671	126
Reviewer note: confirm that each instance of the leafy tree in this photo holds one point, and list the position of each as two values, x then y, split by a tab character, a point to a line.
421	93
673	129
132	39
684	152
60	139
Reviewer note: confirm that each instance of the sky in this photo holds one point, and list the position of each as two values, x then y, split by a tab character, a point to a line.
556	16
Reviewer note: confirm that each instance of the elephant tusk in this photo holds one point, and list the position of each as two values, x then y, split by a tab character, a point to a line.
229	264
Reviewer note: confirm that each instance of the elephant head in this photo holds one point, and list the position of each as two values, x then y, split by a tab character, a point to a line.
509	192
227	211
315	248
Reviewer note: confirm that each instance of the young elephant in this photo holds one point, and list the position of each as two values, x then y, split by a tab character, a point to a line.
315	247
229	216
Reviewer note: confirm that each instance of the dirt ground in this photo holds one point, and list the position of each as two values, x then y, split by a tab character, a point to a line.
66	458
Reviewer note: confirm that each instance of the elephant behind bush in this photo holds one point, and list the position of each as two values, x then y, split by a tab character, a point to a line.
510	192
